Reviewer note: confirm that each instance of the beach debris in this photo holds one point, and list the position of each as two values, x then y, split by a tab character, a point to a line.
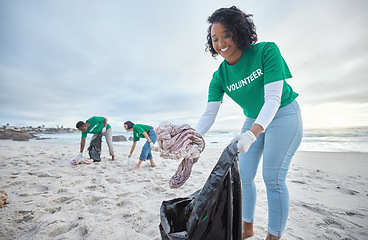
179	142
3	198
80	160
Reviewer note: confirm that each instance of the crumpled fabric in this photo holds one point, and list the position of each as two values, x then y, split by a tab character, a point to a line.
179	142
79	160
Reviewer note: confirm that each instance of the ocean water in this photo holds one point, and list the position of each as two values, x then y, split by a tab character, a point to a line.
352	139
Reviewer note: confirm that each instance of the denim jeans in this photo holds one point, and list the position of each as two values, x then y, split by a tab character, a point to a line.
146	149
278	144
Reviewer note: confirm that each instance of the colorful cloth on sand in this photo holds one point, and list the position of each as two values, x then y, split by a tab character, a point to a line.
79	160
179	142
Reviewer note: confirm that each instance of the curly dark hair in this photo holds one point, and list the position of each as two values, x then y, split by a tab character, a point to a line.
239	24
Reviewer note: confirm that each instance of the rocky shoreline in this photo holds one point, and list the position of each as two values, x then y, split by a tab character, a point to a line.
24	134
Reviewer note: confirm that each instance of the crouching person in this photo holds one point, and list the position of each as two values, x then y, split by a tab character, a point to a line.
142	131
96	125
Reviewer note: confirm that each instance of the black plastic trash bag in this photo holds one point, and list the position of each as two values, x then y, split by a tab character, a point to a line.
94	149
211	213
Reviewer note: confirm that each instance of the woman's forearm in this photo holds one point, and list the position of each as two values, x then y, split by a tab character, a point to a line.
133	147
146	136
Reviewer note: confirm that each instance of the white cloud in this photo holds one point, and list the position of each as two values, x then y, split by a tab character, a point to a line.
64	61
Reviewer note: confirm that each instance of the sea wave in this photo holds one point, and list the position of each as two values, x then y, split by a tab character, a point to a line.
354	139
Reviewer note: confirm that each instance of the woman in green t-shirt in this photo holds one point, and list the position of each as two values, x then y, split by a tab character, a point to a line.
142	131
254	76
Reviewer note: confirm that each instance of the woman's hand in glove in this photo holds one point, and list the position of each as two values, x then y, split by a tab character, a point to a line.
244	141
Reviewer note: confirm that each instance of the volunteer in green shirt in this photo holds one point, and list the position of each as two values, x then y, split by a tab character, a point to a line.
254	76
96	125
142	131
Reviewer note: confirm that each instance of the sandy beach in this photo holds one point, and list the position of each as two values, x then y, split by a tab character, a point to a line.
52	199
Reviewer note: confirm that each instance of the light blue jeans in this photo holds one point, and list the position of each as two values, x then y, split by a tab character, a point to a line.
146	149
278	144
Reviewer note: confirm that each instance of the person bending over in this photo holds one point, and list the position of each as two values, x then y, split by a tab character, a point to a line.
142	131
96	125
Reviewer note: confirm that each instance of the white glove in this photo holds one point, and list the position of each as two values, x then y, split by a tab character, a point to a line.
80	155
244	141
103	130
152	145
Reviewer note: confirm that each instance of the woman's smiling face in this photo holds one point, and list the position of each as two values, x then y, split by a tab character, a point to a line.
222	42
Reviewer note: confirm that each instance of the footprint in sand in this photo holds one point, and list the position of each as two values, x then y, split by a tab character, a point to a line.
63	229
25	216
350	213
92	200
40	188
54	210
112	180
62	199
125	204
299	182
24	194
347	191
331	223
61	190
42	175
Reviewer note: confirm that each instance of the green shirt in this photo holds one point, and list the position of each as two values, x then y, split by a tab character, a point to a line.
244	82
138	129
96	124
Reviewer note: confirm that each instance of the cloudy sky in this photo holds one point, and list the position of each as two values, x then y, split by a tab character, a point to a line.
63	61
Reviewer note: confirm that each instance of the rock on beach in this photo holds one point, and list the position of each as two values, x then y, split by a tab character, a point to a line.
119	138
15	135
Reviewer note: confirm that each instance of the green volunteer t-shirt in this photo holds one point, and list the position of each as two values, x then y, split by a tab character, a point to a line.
244	82
96	124
138	129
